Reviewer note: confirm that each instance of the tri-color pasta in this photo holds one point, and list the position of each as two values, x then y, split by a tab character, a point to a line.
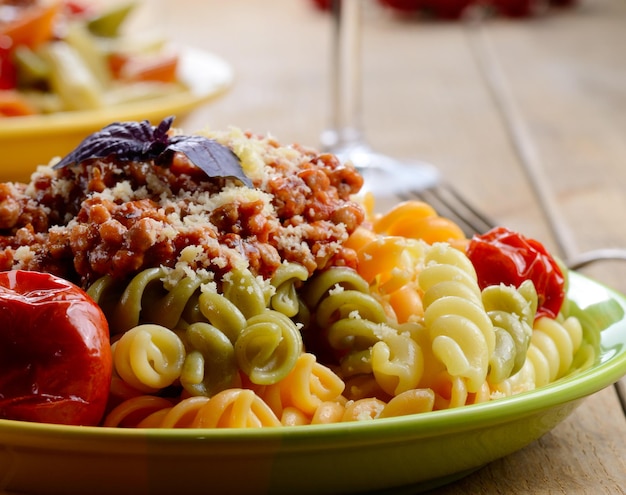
338	346
284	303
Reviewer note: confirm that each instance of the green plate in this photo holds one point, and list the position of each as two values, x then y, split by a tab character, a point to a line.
409	453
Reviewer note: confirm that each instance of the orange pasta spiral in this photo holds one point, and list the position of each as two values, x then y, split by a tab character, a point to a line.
419	220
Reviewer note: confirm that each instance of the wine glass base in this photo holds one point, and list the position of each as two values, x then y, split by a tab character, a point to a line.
389	179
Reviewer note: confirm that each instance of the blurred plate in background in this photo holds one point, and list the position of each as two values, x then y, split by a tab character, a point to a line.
26	142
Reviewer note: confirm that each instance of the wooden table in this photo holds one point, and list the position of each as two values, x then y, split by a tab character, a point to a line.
560	77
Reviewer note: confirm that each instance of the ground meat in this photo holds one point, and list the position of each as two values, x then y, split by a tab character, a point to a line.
109	217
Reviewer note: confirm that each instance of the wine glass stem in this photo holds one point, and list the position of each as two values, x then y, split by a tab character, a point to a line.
345	76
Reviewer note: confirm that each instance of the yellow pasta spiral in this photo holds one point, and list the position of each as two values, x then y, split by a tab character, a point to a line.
131	412
149	357
553	346
412	401
555	343
460	330
397	363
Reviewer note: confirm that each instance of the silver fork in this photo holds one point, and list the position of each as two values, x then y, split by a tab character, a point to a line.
448	202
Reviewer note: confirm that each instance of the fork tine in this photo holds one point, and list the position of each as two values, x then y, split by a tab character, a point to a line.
449	203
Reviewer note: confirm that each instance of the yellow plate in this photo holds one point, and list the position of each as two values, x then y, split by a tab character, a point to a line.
393	455
26	142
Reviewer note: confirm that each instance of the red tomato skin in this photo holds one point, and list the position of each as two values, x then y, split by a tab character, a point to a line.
55	353
503	256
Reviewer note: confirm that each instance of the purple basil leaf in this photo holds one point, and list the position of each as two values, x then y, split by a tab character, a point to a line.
215	159
129	141
126	140
159	133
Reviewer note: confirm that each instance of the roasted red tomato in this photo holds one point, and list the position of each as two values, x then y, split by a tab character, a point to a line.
55	353
503	256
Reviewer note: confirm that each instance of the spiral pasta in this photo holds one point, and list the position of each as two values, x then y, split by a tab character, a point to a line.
512	312
413	401
149	357
407	330
125	312
268	347
345	315
397	363
186	331
556	342
390	265
305	388
131	412
286	280
419	220
461	332
249	294
553	347
235	408
210	365
146	298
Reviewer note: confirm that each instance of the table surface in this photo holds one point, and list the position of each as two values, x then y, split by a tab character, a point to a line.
519	115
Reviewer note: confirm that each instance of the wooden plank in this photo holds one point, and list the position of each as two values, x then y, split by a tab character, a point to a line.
584	454
565	72
568	75
425	98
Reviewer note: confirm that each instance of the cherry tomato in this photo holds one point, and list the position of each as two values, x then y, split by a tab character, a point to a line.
504	256
55	353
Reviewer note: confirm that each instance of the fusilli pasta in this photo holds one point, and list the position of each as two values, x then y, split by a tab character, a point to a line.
407	330
461	332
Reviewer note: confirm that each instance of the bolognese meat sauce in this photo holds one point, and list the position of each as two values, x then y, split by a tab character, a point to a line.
111	216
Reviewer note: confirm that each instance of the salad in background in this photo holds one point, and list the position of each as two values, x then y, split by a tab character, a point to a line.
67	55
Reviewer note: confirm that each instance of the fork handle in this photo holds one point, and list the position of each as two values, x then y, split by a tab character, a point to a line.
589	257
